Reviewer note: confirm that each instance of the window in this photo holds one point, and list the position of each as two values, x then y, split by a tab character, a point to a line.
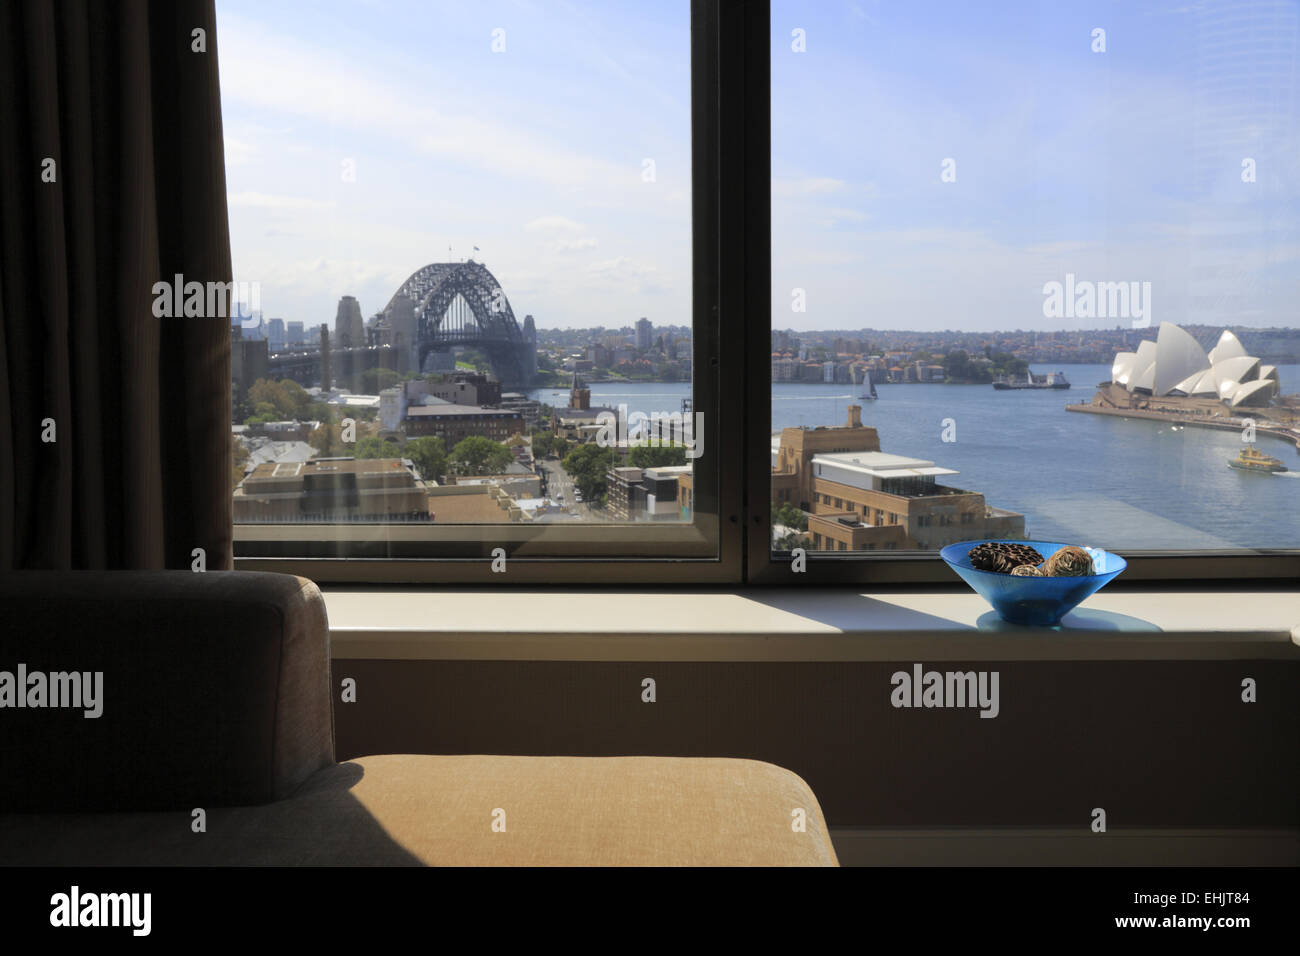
474	285
1048	271
890	243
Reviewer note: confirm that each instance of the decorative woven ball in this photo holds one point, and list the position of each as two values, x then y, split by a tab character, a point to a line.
1026	571
1068	562
1002	556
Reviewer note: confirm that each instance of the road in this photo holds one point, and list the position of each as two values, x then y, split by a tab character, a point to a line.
559	483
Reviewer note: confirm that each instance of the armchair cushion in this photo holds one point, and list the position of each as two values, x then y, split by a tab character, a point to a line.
214	689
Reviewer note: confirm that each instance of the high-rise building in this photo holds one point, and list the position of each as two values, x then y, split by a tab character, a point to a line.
324	358
248	361
644	329
349	327
275	333
530	354
295	334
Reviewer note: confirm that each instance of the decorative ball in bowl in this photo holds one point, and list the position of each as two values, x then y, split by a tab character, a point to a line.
1032	582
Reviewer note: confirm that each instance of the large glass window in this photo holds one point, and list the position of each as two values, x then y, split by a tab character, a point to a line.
463	234
1034	275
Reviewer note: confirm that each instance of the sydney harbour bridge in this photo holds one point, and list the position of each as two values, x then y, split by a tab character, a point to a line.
441	306
446	304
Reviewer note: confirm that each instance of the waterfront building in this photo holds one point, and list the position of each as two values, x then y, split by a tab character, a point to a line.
578	421
1175	366
862	499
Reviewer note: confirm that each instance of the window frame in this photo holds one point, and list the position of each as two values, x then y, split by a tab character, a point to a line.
731	313
709	550
766	567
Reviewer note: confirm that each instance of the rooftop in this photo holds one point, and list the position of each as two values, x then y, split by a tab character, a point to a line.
442	410
319	466
881	464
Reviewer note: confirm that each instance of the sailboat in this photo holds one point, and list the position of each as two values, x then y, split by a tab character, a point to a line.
868	386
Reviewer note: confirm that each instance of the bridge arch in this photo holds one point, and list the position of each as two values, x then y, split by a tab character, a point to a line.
418	313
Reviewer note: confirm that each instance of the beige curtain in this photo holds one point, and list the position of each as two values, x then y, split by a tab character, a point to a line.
138	473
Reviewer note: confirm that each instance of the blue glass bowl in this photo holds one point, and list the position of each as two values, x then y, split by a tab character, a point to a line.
1029	600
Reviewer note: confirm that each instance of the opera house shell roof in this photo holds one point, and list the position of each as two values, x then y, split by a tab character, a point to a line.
1176	365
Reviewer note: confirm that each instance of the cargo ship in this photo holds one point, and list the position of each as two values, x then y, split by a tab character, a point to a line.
1252	459
1032	380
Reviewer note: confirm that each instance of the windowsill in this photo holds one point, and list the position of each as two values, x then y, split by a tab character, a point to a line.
801	625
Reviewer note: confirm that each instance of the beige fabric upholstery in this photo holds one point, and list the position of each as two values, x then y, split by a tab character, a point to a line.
439	810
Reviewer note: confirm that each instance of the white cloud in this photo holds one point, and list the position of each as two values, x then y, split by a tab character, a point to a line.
269	201
808	186
574	245
552	224
620	266
238	151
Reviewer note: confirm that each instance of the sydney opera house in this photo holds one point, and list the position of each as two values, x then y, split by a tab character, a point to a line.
1175	366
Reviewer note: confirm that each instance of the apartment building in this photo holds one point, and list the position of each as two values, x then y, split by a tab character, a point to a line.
332	490
861	498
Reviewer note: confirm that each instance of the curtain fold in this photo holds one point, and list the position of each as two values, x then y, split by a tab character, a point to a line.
137	474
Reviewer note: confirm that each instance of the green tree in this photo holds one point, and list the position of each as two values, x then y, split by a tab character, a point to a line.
319	412
375	447
657	456
474	359
375	380
548	443
429	456
295	398
327	440
1004	363
263	412
274	394
957	367
789	541
543	443
790	516
588	465
478	455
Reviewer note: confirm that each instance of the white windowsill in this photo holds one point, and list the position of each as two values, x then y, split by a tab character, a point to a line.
799	625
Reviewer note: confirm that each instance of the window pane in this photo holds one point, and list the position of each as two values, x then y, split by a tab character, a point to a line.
1035	269
462	235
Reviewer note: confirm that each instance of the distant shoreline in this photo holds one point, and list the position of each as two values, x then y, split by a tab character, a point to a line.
1198	421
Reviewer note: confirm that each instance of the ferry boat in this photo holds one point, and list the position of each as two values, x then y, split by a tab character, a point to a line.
1032	380
1252	459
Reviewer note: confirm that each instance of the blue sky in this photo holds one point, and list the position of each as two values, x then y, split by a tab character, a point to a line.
1116	166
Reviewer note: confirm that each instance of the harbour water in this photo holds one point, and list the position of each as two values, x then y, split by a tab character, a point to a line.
1101	481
